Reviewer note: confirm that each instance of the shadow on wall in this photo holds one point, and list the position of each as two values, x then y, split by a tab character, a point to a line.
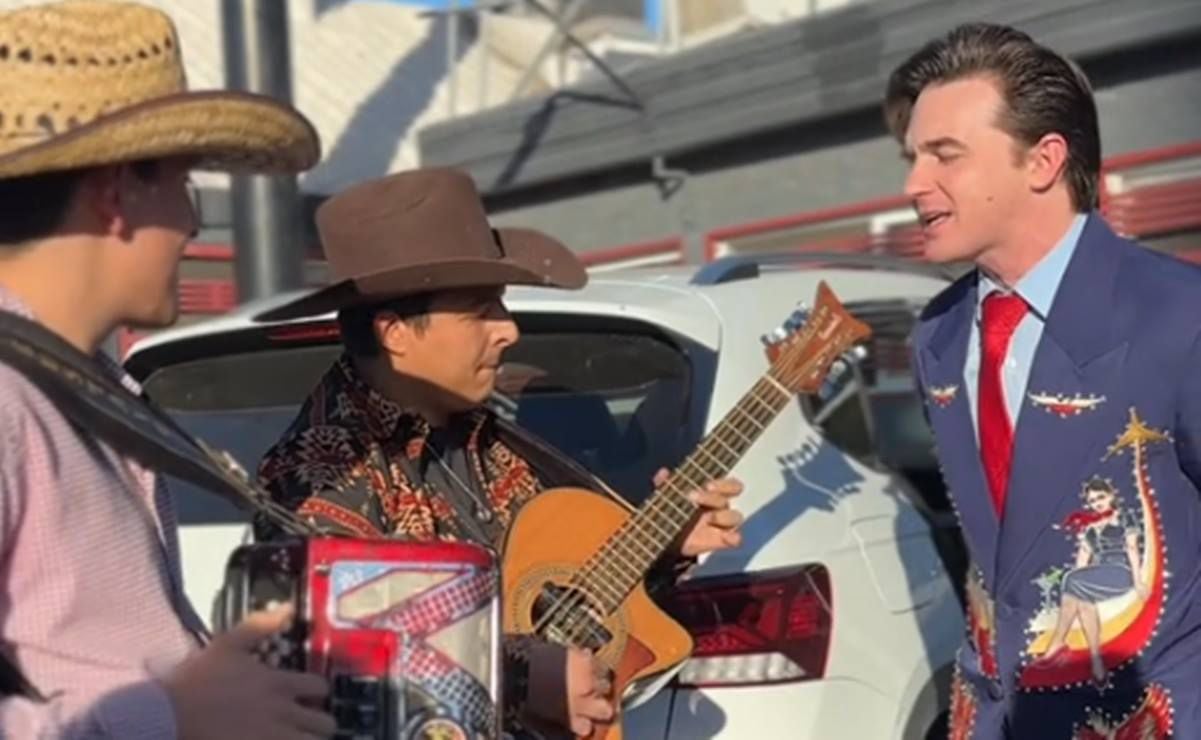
381	122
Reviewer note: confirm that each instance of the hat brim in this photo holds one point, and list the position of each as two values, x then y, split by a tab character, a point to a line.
222	131
530	258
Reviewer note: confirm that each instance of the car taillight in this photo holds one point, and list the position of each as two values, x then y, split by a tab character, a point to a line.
766	627
303	332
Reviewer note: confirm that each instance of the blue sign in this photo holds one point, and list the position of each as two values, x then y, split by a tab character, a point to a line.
652	9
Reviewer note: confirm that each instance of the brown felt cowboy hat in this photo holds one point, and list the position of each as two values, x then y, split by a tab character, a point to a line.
86	83
423	231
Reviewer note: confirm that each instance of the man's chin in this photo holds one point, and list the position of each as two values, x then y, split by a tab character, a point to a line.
942	252
152	320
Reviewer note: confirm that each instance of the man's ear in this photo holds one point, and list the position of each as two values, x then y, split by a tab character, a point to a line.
1046	161
393	334
101	194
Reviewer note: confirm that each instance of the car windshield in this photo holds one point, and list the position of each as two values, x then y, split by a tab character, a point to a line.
616	398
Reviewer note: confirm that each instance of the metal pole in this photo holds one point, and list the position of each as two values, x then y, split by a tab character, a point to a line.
452	58
485	53
268	254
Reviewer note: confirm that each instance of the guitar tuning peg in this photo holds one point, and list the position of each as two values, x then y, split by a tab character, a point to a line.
798	318
779	334
837	375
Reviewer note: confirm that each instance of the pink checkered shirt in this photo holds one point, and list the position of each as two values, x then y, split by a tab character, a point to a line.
91	593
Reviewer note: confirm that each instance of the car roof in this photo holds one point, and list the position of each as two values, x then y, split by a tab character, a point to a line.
685	299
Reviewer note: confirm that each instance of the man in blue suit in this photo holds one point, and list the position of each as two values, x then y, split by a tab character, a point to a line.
1062	378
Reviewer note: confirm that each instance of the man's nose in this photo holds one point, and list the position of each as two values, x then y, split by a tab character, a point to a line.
917	182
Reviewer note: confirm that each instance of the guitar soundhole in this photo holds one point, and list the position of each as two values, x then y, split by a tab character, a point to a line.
572	618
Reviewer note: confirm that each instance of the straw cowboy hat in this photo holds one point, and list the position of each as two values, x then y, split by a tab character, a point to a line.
422	231
87	83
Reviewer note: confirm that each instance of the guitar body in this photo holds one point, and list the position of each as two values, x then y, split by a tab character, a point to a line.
555	534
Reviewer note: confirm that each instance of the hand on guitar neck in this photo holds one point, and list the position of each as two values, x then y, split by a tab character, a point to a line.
717	525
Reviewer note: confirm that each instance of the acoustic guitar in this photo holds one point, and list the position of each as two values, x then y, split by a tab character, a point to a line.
575	561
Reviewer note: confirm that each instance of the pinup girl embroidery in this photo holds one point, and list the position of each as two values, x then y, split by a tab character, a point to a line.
1108	565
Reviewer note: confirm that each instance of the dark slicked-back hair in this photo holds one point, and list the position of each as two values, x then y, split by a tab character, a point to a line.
1043	93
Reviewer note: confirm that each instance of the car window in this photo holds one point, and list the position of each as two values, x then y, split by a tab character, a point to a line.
617	402
240	402
885	424
613	395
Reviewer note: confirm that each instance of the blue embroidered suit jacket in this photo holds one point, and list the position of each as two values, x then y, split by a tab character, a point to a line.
1082	615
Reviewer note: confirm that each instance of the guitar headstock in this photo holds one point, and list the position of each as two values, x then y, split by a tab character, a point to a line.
812	343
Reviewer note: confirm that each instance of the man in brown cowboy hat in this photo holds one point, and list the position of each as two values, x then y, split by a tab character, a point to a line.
97	135
395	440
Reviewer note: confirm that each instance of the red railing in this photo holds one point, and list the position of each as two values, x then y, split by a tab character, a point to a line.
206	297
638	250
1142	211
714	238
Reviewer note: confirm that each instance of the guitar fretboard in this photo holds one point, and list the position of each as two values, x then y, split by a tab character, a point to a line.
628	555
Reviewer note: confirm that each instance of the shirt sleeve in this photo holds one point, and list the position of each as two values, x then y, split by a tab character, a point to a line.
139	711
136	711
535	684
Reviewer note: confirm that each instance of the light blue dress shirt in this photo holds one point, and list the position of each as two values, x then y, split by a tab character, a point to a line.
1038	289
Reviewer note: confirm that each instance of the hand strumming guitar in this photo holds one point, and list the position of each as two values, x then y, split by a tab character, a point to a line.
588	688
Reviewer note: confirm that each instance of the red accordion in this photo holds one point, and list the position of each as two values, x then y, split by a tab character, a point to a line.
407	633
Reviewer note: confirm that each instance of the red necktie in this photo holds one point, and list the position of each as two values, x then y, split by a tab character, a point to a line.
1002	314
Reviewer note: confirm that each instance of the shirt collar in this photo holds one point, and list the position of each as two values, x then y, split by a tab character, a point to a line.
1038	286
384	417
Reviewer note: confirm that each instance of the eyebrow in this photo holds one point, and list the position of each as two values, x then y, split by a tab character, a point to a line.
934	145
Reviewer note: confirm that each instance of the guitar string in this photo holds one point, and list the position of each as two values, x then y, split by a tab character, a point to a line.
652	519
575	622
572	601
587	575
454	477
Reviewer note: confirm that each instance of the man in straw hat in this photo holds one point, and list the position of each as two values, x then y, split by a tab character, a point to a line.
97	135
395	440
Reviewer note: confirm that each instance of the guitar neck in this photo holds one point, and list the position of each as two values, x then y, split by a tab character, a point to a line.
628	555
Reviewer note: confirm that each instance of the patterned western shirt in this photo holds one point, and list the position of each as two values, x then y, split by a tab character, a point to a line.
361	464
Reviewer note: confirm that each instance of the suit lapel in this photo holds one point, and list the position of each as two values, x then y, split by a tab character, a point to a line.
942	364
1080	355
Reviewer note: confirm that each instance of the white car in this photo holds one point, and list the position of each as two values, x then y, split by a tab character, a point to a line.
839	615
